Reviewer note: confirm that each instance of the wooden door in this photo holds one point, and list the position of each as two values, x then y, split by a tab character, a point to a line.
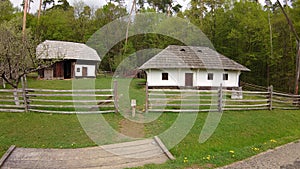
189	79
84	71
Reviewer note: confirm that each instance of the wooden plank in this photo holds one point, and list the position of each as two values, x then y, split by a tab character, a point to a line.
287	95
127	144
10	90
181	94
65	91
245	92
173	99
12	106
73	95
147	98
70	106
246	108
284	101
176	111
8	96
1	100
73	101
258	100
116	97
12	110
164	148
254	105
71	112
7	154
185	90
184	105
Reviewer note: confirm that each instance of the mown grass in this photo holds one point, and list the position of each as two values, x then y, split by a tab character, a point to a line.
239	131
246	133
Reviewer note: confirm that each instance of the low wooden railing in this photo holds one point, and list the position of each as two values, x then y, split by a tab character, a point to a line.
221	99
59	101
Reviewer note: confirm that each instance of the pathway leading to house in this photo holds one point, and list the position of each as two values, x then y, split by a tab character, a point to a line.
283	157
114	156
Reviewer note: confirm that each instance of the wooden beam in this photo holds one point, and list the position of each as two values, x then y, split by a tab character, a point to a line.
164	148
7	154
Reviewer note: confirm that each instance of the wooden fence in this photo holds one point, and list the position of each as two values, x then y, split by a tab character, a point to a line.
59	101
12	100
157	100
190	100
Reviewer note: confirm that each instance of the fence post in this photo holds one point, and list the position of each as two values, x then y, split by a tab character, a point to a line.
133	107
220	99
147	98
24	94
116	96
270	90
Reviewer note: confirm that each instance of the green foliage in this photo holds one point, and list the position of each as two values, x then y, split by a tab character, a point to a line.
6	10
238	29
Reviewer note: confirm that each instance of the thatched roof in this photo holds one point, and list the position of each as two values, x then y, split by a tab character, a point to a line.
191	57
50	49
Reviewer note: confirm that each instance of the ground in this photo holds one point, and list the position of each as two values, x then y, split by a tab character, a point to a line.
238	131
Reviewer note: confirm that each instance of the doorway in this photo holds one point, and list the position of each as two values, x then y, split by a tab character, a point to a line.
188	79
67	69
84	71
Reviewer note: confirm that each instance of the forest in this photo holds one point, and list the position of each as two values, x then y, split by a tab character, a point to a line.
255	35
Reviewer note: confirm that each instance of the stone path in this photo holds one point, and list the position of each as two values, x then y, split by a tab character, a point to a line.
284	157
122	155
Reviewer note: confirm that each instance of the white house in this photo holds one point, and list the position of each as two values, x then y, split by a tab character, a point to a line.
75	60
192	66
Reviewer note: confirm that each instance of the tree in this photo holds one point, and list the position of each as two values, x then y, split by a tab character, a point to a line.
17	54
6	10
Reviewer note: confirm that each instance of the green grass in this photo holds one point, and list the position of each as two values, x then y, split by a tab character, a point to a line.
239	131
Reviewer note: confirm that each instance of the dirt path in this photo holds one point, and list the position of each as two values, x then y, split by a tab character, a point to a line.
284	157
132	129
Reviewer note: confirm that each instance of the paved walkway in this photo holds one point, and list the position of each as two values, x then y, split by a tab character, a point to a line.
122	155
284	157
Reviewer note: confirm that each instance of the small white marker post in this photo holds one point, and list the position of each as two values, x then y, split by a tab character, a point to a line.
133	105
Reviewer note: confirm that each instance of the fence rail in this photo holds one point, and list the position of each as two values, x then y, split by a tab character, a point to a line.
59	101
188	100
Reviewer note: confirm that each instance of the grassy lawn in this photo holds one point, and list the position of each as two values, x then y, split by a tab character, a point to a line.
244	133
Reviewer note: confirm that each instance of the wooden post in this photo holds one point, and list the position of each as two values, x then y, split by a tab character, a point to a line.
116	96
133	106
220	99
24	94
270	90
147	98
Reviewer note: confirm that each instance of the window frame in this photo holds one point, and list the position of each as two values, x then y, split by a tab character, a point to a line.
225	76
210	76
164	76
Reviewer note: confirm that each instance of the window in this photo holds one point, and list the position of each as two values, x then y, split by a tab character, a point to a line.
210	76
225	76
78	69
165	76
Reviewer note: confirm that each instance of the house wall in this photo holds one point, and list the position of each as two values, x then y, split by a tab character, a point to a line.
48	73
91	70
176	77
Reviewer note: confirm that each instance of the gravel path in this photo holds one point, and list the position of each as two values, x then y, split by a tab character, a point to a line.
284	157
